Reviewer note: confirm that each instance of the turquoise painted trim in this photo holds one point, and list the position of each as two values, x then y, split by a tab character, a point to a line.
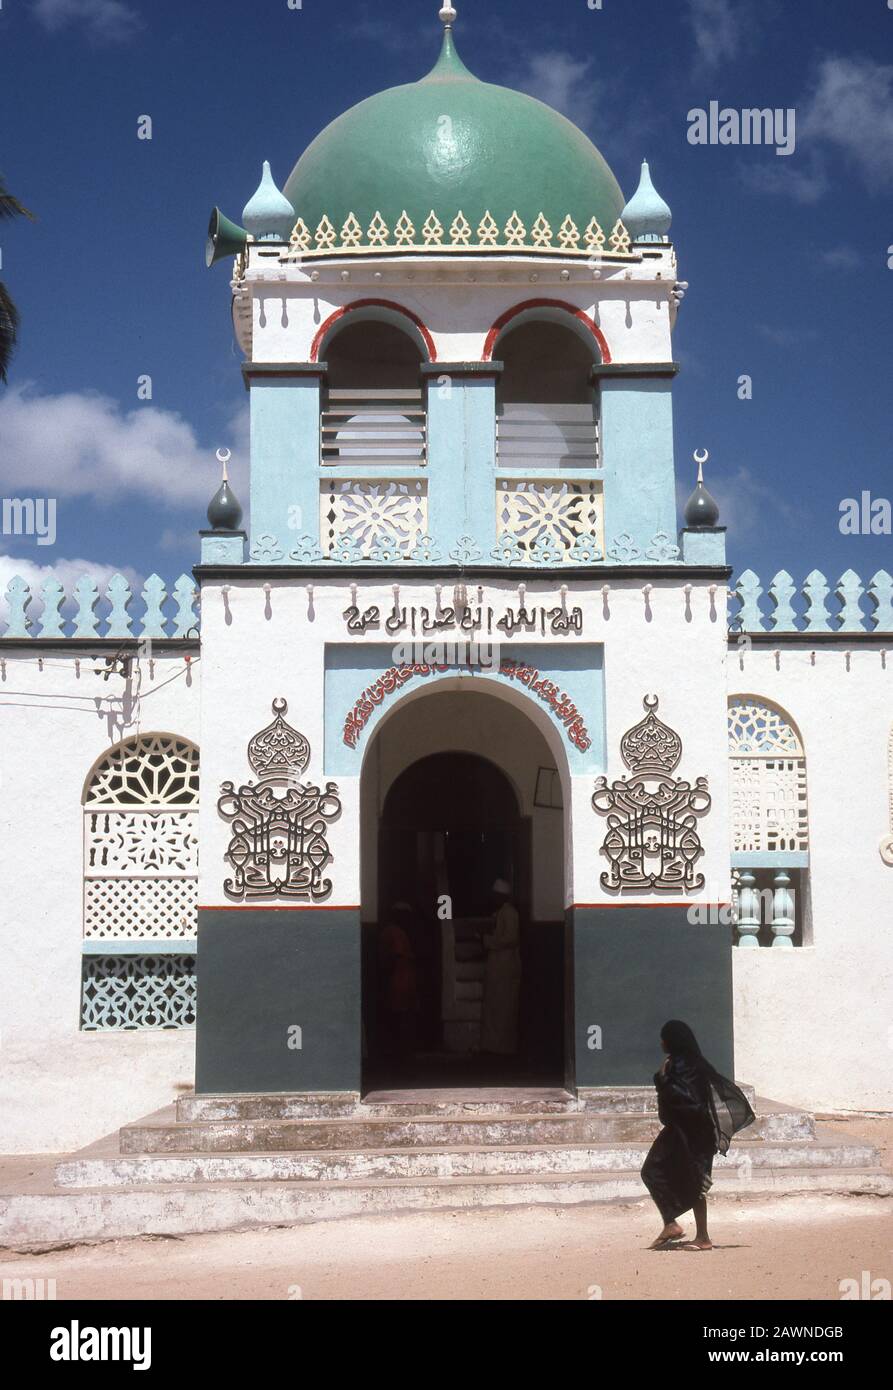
565	471
284	464
576	669
462	461
704	547
223	550
127	946
772	859
637	458
370	470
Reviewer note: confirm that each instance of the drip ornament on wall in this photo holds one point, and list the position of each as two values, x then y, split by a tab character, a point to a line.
279	846
652	839
886	845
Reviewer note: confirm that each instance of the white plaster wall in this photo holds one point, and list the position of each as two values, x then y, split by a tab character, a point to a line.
60	1088
815	1025
259	646
459	302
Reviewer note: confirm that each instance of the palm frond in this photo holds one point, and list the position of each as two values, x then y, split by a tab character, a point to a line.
9	324
10	205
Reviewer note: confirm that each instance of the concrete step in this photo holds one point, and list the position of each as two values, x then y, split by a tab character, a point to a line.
627	1100
32	1221
358	1131
482	1161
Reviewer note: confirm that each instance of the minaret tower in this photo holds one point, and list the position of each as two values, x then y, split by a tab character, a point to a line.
458	356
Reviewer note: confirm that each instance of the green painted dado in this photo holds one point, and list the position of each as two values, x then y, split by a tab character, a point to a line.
452	143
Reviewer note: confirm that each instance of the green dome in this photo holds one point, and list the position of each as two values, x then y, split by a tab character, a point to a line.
451	143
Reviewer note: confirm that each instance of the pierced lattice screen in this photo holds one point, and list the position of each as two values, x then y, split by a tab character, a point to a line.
141	841
768	780
129	992
553	513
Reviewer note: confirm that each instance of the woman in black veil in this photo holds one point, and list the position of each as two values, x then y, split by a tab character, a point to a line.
700	1111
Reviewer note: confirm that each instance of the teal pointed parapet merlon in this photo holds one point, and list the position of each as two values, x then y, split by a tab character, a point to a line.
781	593
120	596
880	596
53	596
816	591
154	594
748	591
86	622
184	594
850	590
18	597
91	606
817	617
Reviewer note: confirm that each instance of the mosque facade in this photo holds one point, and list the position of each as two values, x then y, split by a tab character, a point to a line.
465	637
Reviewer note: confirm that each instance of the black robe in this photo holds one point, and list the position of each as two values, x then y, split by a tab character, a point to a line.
700	1111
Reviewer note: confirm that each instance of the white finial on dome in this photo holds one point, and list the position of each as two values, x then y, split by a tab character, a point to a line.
223	457
701	456
448	15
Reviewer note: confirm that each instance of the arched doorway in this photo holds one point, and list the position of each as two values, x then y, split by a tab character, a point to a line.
442	827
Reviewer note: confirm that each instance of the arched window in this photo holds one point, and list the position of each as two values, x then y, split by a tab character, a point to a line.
768	775
770	823
373	418
141	885
547	431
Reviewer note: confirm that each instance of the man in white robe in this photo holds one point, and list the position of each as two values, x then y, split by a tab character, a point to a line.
502	978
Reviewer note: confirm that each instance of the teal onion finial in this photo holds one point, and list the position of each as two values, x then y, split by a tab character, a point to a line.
702	508
646	216
224	509
268	215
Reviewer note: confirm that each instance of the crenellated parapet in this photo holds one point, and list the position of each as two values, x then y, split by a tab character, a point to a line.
817	606
90	611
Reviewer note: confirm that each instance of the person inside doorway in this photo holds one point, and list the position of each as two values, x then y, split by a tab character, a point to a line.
398	976
502	976
700	1111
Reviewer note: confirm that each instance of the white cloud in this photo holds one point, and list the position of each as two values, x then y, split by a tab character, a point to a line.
563	82
806	185
851	108
85	445
743	500
67	572
787	337
106	21
842	258
718	30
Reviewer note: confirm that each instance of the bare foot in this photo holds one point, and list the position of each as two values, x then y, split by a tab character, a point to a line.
672	1231
698	1244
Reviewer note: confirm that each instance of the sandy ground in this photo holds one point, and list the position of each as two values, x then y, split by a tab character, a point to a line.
779	1248
766	1248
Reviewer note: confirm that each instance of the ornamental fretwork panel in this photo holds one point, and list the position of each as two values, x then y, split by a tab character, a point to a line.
137	992
279	845
767	773
652	839
372	520
141	841
550	516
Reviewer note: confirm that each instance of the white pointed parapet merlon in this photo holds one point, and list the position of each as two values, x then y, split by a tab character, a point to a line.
46	611
817	606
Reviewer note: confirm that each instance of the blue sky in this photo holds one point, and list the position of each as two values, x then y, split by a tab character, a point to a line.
787	258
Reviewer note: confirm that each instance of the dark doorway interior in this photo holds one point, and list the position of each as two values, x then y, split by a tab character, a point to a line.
450	827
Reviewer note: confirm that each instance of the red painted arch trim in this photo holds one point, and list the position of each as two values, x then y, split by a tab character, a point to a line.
517	309
373	304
